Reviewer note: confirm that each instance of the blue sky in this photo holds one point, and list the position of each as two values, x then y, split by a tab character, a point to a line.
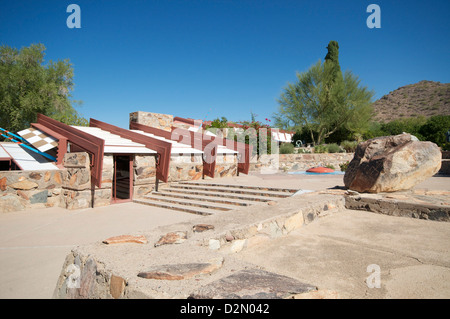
208	58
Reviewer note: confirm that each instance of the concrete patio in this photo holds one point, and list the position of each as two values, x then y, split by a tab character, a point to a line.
332	252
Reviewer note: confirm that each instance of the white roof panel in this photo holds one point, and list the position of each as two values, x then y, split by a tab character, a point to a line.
26	159
3	153
116	144
177	148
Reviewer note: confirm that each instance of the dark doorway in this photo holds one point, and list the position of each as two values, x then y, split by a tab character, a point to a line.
122	180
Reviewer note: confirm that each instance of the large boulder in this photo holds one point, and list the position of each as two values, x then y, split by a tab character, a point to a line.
392	163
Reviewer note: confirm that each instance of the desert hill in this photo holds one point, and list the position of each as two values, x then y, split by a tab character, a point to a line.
426	98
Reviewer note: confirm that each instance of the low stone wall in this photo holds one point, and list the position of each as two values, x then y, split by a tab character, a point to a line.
445	164
201	254
299	162
26	189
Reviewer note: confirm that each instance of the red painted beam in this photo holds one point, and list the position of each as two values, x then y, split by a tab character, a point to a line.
88	142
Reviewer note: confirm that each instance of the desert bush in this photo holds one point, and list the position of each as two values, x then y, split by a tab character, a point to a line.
286	148
333	148
349	146
344	166
321	148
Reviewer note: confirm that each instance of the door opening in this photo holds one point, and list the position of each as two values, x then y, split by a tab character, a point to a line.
122	185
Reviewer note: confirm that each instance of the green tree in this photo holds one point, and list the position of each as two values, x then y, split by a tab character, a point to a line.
28	86
323	100
435	130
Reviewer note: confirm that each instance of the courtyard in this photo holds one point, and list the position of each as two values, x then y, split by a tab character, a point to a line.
332	252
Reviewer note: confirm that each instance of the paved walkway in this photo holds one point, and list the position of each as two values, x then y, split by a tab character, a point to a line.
34	243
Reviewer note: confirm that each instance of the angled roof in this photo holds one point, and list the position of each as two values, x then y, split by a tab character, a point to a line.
24	158
116	144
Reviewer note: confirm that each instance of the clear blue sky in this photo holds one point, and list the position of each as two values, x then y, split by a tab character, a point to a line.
207	59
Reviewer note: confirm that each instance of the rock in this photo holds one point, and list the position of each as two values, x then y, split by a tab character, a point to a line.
329	206
172	238
202	227
391	163
10	203
24	185
253	284
40	197
294	222
126	239
57	178
23	195
35	175
3	184
214	244
238	245
116	286
181	271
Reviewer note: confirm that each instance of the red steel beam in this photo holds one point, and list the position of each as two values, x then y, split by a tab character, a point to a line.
88	142
181	119
162	148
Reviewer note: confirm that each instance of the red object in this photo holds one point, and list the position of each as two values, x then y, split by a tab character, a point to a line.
320	170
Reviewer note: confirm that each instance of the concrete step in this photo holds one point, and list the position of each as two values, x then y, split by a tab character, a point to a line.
225	189
189	202
214	199
178	207
262	188
221	194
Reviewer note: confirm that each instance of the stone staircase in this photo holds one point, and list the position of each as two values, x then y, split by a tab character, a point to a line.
207	198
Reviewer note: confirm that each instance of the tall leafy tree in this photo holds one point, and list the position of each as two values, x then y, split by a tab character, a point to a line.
28	86
323	100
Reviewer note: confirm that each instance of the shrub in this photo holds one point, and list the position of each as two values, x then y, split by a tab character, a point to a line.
349	146
303	151
286	148
344	166
333	148
435	130
321	149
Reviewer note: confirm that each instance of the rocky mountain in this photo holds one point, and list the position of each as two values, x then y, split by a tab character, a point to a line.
425	98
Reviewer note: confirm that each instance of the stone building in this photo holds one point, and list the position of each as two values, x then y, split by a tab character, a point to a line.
103	164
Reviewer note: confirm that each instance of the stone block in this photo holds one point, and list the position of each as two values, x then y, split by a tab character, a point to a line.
40	197
126	239
177	237
252	284
10	203
181	271
76	160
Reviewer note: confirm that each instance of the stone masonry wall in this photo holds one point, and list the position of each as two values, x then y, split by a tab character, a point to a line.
144	175
76	188
299	162
161	121
226	166
29	189
185	167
